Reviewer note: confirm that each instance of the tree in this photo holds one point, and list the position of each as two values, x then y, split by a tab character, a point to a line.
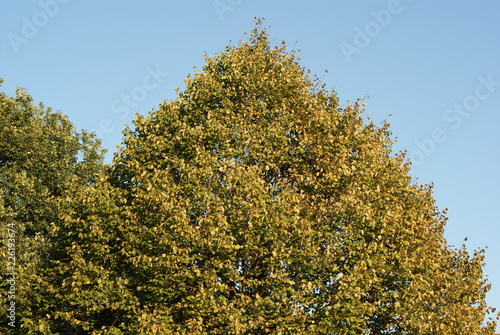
40	153
262	206
254	203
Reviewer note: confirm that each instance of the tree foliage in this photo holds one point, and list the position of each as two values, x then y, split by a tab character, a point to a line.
254	203
40	153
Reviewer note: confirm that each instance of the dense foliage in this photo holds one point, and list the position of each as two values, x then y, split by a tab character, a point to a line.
41	154
253	203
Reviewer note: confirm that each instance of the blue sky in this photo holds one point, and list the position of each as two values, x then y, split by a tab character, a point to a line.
432	66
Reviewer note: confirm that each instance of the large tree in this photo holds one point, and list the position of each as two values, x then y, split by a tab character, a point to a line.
254	203
41	154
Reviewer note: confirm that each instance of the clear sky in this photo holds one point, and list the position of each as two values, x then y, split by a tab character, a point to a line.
432	66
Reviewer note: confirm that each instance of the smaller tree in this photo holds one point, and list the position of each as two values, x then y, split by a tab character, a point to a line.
40	154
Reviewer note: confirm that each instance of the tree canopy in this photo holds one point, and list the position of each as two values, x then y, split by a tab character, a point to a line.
41	154
253	203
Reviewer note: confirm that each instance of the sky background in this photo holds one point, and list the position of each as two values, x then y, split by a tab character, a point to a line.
431	69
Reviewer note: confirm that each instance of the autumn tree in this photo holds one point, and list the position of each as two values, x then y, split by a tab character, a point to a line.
254	203
40	154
